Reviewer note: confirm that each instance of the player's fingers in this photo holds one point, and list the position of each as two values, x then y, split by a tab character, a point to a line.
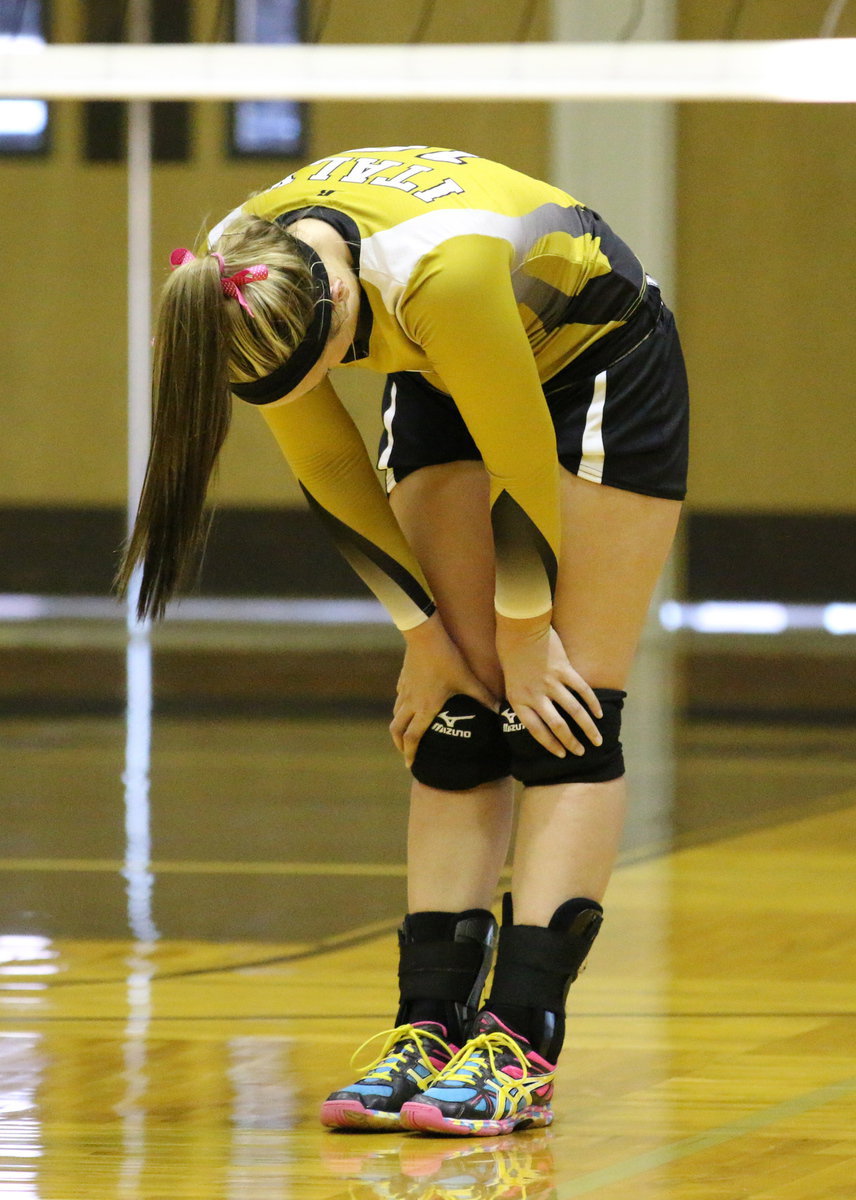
587	695
398	726
561	730
578	712
412	737
543	732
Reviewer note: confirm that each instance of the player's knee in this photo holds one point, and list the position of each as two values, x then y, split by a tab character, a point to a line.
533	765
462	748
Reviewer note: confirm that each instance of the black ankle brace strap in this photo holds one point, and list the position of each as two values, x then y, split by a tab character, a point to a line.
439	970
536	966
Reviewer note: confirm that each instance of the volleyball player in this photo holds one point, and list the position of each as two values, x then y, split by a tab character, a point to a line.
534	452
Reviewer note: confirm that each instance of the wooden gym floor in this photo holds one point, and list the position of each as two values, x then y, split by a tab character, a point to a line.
712	1043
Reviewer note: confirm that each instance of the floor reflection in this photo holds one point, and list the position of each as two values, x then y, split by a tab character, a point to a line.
136	778
22	1064
131	1109
264	1111
506	1168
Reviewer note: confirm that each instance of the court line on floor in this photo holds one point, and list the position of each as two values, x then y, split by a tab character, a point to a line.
631	856
189	867
583	1185
692	839
337	941
281	1017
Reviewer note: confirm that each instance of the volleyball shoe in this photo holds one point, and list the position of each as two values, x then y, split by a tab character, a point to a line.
495	1084
410	1060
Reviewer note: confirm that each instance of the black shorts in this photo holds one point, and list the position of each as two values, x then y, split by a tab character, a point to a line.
620	411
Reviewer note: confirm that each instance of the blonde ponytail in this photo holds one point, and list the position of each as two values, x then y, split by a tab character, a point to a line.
204	340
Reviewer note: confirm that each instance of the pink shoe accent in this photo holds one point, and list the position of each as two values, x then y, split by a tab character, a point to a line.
425	1118
540	1064
351	1114
436	1061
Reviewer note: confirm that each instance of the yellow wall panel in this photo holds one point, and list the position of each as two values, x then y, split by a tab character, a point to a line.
766	260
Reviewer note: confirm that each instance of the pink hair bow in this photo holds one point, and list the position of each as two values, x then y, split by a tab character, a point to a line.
231	284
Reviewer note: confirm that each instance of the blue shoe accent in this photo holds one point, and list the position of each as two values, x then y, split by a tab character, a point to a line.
409	1061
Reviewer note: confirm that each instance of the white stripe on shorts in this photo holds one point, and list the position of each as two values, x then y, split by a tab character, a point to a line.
388	418
591	463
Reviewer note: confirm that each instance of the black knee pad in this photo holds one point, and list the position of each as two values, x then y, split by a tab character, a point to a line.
462	747
533	765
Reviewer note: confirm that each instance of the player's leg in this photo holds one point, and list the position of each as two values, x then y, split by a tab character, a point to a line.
457	839
614	547
615	544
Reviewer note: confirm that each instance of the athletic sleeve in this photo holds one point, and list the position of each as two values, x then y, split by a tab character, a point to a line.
464	314
326	453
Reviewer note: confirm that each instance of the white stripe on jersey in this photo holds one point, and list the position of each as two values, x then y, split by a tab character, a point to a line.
389	258
591	463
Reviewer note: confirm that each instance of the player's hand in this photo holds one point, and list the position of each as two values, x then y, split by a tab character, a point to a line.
538	676
433	670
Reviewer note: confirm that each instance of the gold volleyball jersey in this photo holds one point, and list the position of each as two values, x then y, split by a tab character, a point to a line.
487	282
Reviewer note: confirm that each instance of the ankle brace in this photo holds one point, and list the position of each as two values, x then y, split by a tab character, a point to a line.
535	967
444	962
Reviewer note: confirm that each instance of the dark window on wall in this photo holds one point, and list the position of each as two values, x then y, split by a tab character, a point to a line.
272	128
24	122
105	121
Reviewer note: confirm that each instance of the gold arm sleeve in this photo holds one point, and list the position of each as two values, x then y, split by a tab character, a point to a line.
326	453
464	314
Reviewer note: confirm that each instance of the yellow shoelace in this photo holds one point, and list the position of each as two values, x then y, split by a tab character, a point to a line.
457	1069
407	1033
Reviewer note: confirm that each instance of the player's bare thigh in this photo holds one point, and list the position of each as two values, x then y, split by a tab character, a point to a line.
614	546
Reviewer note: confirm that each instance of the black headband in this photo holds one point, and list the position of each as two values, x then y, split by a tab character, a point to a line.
298	365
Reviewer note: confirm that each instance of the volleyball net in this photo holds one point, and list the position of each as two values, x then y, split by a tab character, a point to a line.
821	70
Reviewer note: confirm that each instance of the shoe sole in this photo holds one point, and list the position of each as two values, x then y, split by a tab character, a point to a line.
425	1118
350	1114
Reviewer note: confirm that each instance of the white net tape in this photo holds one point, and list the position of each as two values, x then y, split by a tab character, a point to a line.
821	70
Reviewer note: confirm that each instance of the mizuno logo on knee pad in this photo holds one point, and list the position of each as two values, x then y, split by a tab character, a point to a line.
450	722
512	723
